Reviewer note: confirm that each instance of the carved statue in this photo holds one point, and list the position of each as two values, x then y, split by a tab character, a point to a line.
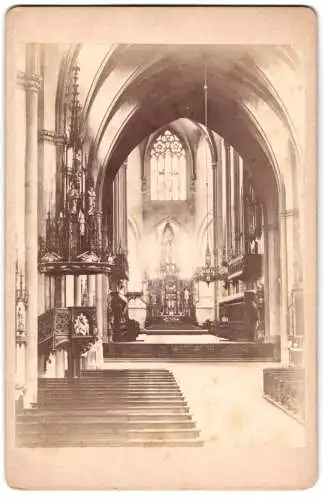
92	201
81	219
73	199
81	325
21	317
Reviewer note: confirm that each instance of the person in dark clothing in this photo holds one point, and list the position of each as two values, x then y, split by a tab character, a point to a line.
252	316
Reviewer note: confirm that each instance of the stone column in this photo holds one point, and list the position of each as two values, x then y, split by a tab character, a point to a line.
215	233
77	291
120	208
100	326
69	291
51	366
232	206
241	203
20	361
284	288
60	363
63	291
295	319
116	215
272	280
46	288
228	200
105	291
123	206
92	289
223	194
32	82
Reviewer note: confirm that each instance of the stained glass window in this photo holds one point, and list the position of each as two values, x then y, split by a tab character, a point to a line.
168	168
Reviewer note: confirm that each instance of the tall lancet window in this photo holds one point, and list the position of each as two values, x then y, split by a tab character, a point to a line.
168	168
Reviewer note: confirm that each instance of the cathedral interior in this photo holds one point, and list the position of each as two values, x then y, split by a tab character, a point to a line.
159	193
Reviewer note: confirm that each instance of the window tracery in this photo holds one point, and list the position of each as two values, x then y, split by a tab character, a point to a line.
168	168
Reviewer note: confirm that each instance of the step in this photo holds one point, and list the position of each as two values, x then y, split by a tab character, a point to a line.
111	443
126	376
44	399
130	371
105	416
121	376
95	425
143	405
122	411
111	388
148	359
105	389
103	381
111	433
109	394
144	408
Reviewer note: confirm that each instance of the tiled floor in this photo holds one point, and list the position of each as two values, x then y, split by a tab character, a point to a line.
227	403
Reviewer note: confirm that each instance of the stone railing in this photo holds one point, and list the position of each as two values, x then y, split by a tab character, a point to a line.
285	387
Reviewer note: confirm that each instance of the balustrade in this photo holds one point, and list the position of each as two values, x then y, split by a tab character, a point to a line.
286	388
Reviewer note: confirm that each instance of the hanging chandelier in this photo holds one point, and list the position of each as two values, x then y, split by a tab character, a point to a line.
210	272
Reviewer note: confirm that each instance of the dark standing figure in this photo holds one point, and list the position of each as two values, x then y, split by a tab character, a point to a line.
252	317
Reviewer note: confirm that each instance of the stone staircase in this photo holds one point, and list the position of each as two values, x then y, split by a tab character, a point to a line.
109	408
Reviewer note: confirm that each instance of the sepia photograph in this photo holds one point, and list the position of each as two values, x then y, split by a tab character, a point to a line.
160	248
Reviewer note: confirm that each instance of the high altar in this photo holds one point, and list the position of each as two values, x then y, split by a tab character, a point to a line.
171	299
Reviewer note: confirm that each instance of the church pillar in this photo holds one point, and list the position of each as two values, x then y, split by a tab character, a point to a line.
232	196
100	326
47	291
116	218
59	363
50	369
284	288
32	82
228	218
215	233
105	322
120	208
241	205
20	362
295	315
123	205
272	279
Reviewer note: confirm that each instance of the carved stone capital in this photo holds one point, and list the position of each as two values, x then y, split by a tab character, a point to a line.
29	81
51	137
